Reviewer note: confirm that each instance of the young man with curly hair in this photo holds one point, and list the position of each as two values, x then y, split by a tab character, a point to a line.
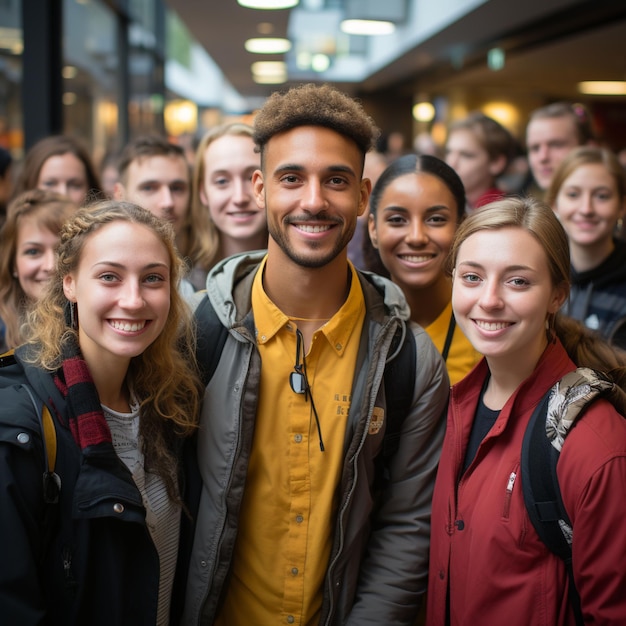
296	523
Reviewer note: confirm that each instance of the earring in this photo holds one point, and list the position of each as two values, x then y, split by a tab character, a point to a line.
619	225
14	274
71	315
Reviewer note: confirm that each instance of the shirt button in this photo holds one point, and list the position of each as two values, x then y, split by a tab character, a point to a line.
294	571
118	508
442	574
203	563
299	519
297	438
23	438
290	619
338	346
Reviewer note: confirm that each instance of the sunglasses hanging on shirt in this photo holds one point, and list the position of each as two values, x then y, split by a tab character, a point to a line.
299	382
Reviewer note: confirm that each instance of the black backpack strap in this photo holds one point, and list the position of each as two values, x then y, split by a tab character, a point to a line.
549	424
210	339
399	380
51	480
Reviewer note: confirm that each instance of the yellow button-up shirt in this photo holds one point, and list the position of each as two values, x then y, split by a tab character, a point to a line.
286	522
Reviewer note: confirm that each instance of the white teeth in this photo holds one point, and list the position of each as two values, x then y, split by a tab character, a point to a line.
312	229
491	325
415	259
128	326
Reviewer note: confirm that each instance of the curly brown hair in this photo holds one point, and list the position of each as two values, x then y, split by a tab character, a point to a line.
164	377
314	105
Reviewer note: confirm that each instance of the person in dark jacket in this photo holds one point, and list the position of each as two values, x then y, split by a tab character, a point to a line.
107	365
588	194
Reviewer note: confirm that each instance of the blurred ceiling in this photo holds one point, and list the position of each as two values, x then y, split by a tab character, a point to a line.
550	45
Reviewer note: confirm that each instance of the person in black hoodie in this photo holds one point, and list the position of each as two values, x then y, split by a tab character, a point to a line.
588	194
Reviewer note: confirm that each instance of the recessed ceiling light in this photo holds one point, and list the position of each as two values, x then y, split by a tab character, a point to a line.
320	62
267	45
603	87
69	71
268	4
269	68
367	27
269	80
424	111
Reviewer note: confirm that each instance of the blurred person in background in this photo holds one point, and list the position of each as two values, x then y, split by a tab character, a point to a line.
6	182
226	159
153	173
479	149
60	163
28	242
109	173
552	132
415	209
588	194
375	164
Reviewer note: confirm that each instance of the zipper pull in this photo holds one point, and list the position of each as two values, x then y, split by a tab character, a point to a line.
509	485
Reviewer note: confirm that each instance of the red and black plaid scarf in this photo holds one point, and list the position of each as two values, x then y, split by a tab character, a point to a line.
86	419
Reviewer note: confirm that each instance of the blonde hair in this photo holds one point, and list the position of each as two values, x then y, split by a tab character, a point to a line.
587	155
164	377
50	210
584	347
207	244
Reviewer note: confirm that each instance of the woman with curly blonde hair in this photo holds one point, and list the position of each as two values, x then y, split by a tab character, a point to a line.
28	242
108	355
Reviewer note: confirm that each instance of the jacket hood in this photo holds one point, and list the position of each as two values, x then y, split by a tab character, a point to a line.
233	304
612	270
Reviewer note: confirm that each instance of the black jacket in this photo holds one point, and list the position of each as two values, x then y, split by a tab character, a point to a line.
88	559
598	297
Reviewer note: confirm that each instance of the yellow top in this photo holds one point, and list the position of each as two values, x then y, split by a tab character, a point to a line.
461	357
286	522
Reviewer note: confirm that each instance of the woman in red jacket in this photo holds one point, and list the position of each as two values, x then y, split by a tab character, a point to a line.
510	264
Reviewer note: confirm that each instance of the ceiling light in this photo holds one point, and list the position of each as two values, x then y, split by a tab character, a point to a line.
320	62
268	4
268	45
367	27
269	80
603	87
269	72
69	72
423	112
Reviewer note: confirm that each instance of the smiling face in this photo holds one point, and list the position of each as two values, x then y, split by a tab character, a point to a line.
502	295
229	162
413	230
588	205
312	190
122	292
65	174
34	256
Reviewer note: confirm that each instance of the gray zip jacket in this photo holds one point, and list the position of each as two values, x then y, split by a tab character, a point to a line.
377	572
